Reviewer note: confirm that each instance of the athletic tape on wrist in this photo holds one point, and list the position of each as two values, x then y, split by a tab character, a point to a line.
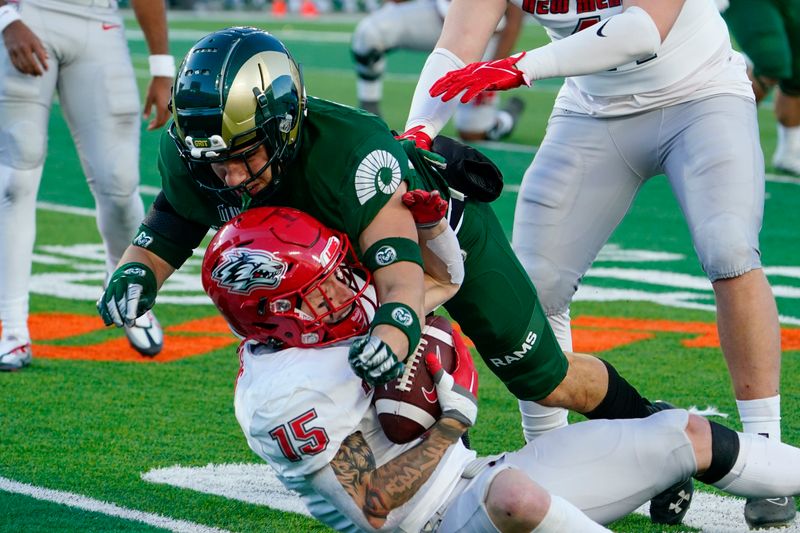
403	318
8	14
389	251
162	65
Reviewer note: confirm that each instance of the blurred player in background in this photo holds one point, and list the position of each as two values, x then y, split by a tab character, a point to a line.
652	87
416	25
291	287
76	49
768	32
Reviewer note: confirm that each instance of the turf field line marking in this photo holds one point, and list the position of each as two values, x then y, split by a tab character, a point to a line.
712	513
72	499
68	209
258	484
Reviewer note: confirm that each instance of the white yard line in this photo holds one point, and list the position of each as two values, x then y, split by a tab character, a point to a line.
78	501
257	484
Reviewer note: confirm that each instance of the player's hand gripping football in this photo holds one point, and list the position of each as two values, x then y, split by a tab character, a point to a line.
427	207
374	361
497	75
457	392
130	293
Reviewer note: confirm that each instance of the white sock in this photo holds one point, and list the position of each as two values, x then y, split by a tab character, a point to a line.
14	318
563	516
762	416
788	140
561	327
765	468
538	419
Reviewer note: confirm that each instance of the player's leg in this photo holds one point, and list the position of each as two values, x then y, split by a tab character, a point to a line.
101	103
549	219
24	113
413	24
787	99
498	309
504	498
718	180
608	468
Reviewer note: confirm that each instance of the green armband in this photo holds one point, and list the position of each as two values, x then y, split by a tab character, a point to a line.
391	250
403	318
165	248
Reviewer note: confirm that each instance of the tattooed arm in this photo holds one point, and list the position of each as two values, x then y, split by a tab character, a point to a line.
377	491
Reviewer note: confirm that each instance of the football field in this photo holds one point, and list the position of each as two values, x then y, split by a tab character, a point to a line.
95	438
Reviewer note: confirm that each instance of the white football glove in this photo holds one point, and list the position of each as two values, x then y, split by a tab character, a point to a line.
458	393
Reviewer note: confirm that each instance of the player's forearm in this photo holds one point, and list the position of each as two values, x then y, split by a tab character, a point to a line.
137	254
510	33
630	36
394	483
444	265
403	283
152	18
463	40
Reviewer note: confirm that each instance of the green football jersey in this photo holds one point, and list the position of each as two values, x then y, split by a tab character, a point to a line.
347	167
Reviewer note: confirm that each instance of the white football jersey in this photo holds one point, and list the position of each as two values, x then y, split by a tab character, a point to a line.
296	406
695	60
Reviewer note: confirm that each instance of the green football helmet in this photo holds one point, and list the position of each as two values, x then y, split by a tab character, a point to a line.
236	90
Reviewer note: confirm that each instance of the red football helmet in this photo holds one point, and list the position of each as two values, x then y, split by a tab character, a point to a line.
263	265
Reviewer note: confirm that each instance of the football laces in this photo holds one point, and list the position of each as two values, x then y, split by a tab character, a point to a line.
405	381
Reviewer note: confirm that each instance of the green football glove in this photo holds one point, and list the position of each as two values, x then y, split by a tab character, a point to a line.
373	361
130	293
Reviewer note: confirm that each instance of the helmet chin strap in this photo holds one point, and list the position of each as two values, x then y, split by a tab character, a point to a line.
246	200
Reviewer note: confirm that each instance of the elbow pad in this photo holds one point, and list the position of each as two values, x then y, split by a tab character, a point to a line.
426	110
621	39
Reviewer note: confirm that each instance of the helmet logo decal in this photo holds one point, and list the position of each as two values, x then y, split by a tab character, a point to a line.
379	171
242	270
386	255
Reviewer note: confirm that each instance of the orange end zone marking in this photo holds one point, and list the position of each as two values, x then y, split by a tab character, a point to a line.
53	326
594	341
590	334
212	324
175	347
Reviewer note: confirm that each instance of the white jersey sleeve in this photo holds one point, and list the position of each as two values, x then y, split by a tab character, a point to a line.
694	60
296	406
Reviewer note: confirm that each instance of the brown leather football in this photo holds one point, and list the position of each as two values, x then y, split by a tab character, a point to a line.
408	405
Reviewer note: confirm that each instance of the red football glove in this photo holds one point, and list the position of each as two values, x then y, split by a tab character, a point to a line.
419	137
497	75
457	392
427	208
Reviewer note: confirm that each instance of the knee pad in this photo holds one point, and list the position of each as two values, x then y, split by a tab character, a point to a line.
368	49
22	144
727	247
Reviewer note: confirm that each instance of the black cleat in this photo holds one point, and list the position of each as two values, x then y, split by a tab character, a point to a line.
763	513
670	506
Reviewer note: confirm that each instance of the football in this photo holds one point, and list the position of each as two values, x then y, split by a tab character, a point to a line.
408	405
